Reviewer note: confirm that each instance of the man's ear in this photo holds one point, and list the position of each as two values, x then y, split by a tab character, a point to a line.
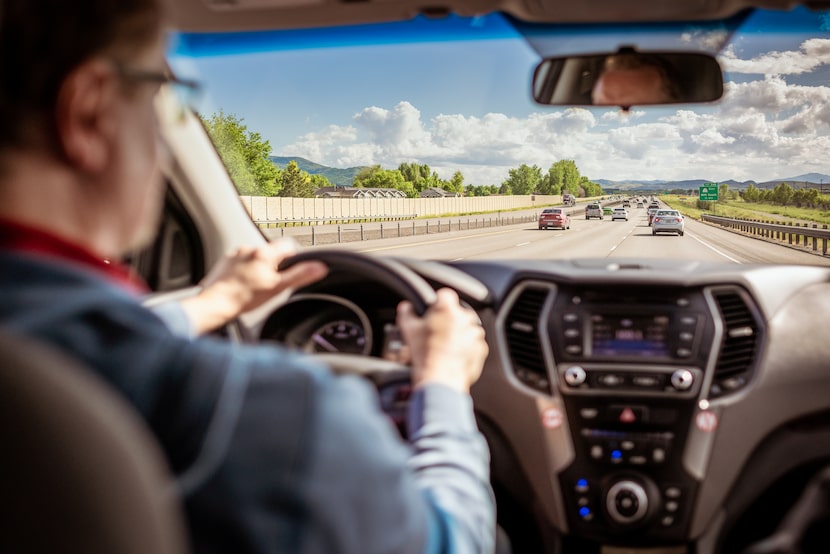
84	115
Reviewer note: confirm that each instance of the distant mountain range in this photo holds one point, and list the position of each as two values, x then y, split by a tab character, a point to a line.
339	177
806	179
344	178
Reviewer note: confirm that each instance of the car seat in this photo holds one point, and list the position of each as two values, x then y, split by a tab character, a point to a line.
79	472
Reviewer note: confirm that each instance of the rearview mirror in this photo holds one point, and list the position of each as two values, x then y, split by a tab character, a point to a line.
628	78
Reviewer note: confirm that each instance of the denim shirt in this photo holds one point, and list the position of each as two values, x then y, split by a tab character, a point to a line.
272	453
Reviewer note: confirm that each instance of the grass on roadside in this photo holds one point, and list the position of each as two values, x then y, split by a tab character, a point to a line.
735	208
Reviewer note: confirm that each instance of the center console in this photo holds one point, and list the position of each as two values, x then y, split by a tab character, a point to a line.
630	369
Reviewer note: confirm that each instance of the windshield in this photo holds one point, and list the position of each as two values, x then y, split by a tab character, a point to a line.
441	111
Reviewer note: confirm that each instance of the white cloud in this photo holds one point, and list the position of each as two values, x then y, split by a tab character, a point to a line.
812	53
712	40
762	129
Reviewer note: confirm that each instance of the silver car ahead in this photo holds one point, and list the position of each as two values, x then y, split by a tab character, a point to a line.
667	221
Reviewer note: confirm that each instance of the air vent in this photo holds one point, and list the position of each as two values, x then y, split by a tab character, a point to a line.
523	345
739	345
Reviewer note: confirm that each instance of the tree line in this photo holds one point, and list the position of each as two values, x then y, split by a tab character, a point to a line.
785	195
245	155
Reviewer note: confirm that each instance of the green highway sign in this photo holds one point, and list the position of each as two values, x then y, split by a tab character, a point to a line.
709	191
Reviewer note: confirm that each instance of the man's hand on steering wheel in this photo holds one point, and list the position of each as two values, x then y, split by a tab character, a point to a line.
447	344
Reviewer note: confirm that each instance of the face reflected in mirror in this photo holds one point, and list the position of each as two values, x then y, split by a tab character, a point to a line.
627	80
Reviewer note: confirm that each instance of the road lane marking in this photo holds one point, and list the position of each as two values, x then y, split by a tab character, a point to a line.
709	246
423	243
614	247
523	244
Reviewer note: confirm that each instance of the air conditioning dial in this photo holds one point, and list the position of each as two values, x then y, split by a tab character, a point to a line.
626	502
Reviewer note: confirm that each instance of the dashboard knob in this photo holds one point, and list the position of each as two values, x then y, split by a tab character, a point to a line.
682	379
575	376
626	502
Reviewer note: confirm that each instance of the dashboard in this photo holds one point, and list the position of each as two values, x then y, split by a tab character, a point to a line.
626	404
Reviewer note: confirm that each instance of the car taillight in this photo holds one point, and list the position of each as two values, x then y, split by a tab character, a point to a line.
656	219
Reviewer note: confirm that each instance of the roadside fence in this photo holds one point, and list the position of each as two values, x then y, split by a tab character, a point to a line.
357	230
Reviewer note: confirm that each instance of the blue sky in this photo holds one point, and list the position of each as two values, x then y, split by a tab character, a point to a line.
465	104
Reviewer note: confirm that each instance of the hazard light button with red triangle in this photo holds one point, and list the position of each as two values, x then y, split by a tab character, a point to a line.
628	415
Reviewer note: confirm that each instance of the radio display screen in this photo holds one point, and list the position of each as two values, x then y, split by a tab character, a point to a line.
642	336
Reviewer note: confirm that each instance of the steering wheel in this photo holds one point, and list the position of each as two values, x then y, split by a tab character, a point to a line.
389	273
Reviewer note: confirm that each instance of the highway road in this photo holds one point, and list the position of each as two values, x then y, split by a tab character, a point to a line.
590	239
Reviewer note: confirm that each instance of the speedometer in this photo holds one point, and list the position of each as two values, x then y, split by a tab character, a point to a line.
341	336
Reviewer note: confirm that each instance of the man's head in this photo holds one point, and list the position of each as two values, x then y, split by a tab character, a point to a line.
77	110
627	80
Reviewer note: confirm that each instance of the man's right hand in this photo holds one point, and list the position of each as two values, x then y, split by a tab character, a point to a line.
447	344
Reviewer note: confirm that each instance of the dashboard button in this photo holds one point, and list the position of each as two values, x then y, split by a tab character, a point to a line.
627	414
673	492
645	381
683	352
575	376
610	380
570	318
658	455
682	379
686	336
573	349
589	413
571	333
597	452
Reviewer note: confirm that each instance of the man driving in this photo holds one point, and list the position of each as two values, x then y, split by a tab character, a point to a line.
272	452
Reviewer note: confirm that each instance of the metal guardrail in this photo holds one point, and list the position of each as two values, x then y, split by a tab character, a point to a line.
334	220
793	233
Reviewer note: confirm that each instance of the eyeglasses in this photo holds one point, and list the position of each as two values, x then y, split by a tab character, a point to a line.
185	92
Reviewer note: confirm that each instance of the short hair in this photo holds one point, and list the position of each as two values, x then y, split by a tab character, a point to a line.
42	41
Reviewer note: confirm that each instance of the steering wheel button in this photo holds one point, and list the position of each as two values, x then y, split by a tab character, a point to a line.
638	460
658	455
671	506
667	521
597	452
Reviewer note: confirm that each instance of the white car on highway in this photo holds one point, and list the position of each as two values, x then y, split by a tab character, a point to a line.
619	213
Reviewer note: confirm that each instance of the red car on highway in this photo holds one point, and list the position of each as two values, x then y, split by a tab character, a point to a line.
554	217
